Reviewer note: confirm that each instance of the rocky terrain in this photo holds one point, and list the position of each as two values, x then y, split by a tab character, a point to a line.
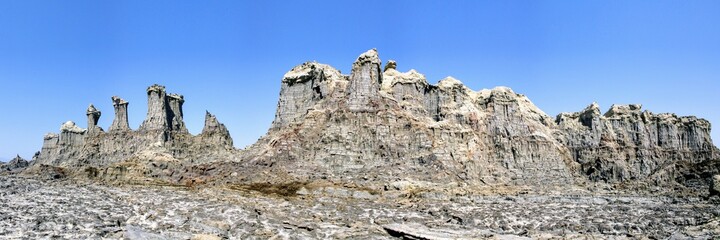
374	154
63	209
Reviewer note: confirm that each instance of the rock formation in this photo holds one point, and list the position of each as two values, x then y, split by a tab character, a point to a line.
392	125
163	133
364	85
175	117
120	122
376	128
629	144
93	115
157	114
15	164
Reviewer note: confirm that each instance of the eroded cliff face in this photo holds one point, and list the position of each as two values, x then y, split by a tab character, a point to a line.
629	144
384	127
390	126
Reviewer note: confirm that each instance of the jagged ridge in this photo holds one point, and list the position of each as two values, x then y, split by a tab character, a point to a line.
376	127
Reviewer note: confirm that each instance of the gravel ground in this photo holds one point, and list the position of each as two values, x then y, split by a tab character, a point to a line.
32	209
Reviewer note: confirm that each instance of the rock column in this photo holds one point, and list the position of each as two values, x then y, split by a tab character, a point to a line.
120	122
157	117
365	80
93	115
175	113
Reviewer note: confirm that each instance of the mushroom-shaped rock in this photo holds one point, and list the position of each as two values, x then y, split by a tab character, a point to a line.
93	115
391	64
70	127
120	122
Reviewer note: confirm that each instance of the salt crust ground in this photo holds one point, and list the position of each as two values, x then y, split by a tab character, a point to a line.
62	209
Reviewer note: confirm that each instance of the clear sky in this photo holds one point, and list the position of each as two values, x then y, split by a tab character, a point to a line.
228	57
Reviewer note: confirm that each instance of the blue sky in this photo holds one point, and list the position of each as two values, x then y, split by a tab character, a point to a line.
228	57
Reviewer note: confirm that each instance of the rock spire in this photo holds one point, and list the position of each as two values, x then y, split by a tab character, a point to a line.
120	122
93	115
364	85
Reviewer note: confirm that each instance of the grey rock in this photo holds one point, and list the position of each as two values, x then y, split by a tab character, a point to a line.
629	144
373	128
215	133
364	86
136	233
175	102
715	185
93	115
157	115
120	122
17	163
155	152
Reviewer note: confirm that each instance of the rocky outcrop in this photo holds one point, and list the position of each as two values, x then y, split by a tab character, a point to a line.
17	163
120	122
629	144
93	115
163	132
175	102
365	79
302	88
157	117
214	132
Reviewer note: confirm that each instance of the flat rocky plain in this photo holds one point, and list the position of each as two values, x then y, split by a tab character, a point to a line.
32	209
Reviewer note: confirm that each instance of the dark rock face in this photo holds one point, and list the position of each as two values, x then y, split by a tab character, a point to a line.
175	114
379	127
15	164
